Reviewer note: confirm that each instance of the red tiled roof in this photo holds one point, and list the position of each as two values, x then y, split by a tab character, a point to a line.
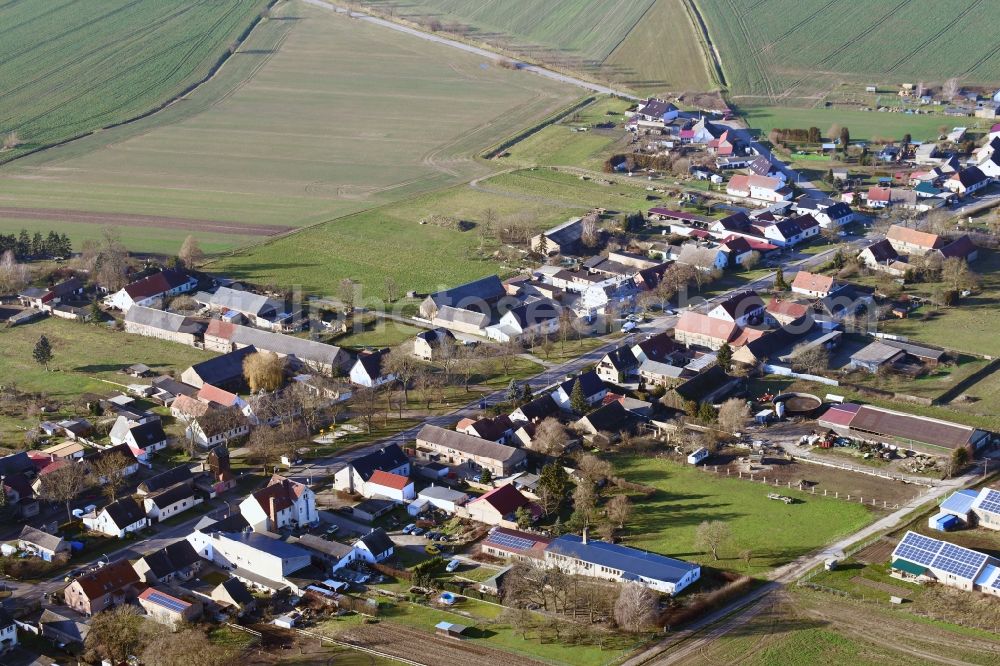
914	237
220	329
506	499
535	544
840	415
156	284
812	282
701	324
108	579
209	393
389	480
883	194
789	309
284	491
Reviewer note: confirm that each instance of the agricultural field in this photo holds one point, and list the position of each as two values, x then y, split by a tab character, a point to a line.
795	53
647	46
284	136
805	627
776	533
105	61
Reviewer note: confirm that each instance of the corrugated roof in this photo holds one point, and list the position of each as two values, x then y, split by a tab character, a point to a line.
910	427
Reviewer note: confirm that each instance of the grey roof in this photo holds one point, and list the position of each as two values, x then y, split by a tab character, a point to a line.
245	301
125	512
172	558
591	384
386	459
225	368
165	321
235	590
567	233
266	544
172	495
377	541
487	288
309	351
446	313
41	539
166	479
920	351
148	433
468	444
629	561
15	463
442	493
321	545
661	369
876	352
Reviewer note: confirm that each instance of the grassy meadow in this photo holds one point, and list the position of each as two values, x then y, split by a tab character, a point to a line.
367	247
775	532
795	52
104	61
295	129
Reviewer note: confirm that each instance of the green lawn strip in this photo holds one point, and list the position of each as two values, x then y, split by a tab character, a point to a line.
775	532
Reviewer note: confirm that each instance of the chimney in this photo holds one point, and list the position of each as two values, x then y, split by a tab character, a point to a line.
272	513
586	540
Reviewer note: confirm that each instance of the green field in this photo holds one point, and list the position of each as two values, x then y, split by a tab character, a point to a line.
864	125
104	61
368	247
648	46
294	130
775	532
796	52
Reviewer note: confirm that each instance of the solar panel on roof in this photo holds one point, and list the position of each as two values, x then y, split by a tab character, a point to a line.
511	541
959	561
168	602
991	502
918	549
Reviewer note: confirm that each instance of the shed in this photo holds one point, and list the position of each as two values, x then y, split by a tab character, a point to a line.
450	629
943	522
698	456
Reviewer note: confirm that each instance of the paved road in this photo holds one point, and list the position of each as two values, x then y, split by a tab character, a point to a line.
431	37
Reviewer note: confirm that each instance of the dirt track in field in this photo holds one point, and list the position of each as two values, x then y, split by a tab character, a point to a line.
426	648
130	220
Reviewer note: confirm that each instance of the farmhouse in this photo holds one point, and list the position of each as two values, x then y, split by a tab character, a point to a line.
117	519
170	502
657	110
968	180
456	449
536	410
390	486
695	329
499	506
591	385
376	546
368	369
154	323
282	503
258	310
912	242
537	318
226	337
41	544
175	562
882	255
355	474
256	559
427	344
763	188
920	559
920	433
45	299
813	285
151	289
607	561
783	312
740	308
561	239
113	584
147	437
496	429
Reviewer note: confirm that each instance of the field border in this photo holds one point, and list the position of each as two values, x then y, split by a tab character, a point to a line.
213	70
493	151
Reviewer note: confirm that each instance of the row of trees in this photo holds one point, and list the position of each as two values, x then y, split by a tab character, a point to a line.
37	246
64	484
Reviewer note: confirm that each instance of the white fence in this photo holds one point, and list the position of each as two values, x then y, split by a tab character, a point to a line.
782	371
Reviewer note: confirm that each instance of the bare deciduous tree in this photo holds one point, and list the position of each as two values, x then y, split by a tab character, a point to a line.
117	633
109	471
13	275
619	510
65	484
635	608
594	469
733	415
551	437
712	536
401	362
191	253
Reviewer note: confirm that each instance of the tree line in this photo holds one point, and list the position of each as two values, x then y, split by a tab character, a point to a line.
37	246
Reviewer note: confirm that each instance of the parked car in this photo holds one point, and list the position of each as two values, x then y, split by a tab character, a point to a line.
452	565
409	529
629	327
432	549
331	530
417	531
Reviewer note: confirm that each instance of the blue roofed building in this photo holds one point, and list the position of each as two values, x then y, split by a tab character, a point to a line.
986	508
258	560
955	511
598	559
919	558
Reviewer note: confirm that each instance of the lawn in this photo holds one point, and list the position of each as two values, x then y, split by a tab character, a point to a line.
294	130
771	52
367	247
863	125
86	358
775	532
70	68
381	333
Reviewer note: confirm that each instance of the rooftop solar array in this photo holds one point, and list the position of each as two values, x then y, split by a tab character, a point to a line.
940	555
990	502
510	541
170	603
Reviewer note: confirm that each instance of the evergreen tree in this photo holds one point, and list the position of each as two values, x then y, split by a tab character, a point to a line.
486	477
23	248
577	401
779	280
37	244
42	352
706	413
725	357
